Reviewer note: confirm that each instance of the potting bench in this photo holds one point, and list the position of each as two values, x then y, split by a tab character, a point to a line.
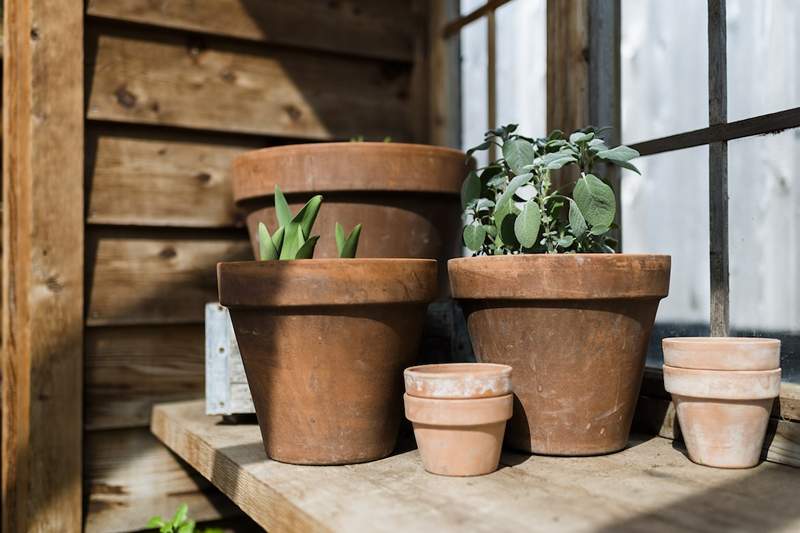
650	486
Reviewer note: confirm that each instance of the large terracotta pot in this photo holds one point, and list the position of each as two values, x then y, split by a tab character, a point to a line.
575	329
324	343
405	195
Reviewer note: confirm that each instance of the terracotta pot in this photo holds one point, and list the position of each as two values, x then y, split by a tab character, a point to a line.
723	390
459	433
405	195
324	343
575	329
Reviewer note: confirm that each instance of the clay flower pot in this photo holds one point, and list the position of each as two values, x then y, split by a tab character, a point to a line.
324	343
459	413
575	329
723	389
405	195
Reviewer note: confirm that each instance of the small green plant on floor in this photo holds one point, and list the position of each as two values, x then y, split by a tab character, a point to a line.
180	523
293	239
511	207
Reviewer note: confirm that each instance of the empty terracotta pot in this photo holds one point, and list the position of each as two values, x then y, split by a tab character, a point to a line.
324	343
575	329
723	389
459	413
405	195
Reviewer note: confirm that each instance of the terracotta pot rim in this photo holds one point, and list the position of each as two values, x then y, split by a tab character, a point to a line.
560	276
719	340
458	412
722	353
321	282
458	370
458	380
722	384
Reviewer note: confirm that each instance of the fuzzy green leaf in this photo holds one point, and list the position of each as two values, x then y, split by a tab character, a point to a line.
266	249
580	137
350	245
513	185
565	241
517	154
599	230
576	221
556	160
470	189
308	214
474	235
507	230
282	210
620	156
595	200
306	251
526	225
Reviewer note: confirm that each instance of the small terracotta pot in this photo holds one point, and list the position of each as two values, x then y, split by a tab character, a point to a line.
324	343
459	413
575	328
723	389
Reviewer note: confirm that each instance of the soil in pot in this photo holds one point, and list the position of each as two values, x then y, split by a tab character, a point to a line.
324	343
723	390
459	413
575	329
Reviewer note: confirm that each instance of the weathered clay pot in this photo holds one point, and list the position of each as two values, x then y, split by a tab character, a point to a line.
575	329
324	343
459	413
723	389
405	195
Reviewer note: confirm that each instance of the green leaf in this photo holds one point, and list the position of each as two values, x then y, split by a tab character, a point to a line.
513	185
507	230
556	160
599	230
308	214
180	515
277	239
576	221
474	235
293	240
526	225
580	137
517	154
339	231
566	241
155	521
470	189
187	527
595	200
620	157
482	146
306	251
350	246
266	250
282	210
483	204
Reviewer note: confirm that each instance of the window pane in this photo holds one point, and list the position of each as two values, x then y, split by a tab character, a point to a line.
474	112
665	210
763	57
664	68
764	219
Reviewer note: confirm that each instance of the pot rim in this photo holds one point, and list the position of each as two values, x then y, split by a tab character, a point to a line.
722	353
316	282
458	380
583	276
458	412
328	167
722	384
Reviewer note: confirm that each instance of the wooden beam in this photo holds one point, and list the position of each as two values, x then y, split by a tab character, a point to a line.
491	78
444	77
455	25
42	315
567	65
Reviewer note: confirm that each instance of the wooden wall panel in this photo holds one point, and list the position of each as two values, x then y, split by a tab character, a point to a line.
155	278
128	369
208	83
375	28
132	477
151	177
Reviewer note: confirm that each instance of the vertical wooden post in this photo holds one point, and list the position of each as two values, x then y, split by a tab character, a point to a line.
445	75
42	315
491	77
718	170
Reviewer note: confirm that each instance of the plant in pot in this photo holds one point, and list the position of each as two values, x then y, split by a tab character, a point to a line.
545	294
324	341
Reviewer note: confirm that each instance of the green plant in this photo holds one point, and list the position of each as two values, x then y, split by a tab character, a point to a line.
360	139
180	523
293	239
510	206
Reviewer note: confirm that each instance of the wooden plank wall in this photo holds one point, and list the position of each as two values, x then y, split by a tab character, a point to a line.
174	90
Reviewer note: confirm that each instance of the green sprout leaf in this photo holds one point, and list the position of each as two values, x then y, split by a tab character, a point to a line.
156	521
595	200
526	225
577	223
474	235
518	153
293	240
277	239
308	214
282	210
306	251
349	244
266	248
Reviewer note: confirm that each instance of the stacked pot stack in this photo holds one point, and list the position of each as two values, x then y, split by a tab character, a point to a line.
459	413
723	389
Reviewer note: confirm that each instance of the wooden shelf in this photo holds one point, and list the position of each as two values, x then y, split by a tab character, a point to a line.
651	486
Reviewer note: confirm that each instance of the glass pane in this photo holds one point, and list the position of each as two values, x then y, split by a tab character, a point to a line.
665	210
664	68
764	221
522	65
474	111
763	57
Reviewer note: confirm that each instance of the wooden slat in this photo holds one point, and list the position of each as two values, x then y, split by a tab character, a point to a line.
491	78
130	477
444	77
128	369
42	316
169	78
567	65
651	486
455	25
373	28
148	176
153	277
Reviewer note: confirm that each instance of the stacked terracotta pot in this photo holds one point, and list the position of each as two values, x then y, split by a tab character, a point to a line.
459	412
723	389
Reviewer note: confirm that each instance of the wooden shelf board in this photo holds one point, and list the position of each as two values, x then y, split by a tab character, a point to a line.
649	486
